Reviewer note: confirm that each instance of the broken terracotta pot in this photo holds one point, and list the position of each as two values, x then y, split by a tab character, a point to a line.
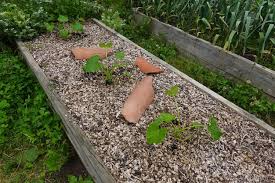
138	101
147	67
85	53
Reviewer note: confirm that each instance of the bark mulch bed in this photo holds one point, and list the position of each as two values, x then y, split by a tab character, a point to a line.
245	153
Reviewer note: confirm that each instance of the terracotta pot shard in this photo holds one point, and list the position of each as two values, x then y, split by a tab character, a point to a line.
139	100
147	67
85	53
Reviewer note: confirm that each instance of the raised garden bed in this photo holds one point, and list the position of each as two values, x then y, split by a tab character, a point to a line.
115	151
213	56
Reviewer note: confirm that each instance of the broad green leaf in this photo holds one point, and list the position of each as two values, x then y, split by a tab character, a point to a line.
206	23
272	40
63	19
72	179
165	118
106	45
64	33
214	129
93	64
30	155
49	26
120	55
77	27
173	91
155	134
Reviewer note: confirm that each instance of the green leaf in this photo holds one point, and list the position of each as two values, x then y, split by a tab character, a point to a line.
206	23
49	26
216	39
4	104
77	27
155	134
106	45
93	64
227	44
272	40
214	129
120	55
72	179
64	33
63	19
165	118
54	161
173	91
30	155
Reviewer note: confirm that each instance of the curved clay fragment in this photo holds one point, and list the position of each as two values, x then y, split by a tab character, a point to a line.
85	53
138	101
147	67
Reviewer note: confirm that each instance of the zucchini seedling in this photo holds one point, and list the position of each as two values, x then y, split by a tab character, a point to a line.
63	32
167	122
94	64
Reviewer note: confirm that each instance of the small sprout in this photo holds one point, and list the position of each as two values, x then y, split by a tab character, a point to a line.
120	55
106	45
49	26
77	27
155	134
93	65
63	19
173	91
214	129
64	33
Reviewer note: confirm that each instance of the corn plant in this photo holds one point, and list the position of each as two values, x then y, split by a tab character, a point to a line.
243	27
180	130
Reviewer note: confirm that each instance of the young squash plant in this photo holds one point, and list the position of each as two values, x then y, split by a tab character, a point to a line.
167	122
94	64
65	30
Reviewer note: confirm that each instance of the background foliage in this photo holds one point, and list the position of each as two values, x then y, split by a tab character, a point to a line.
30	133
244	27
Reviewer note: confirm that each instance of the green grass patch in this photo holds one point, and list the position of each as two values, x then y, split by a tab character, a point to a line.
32	141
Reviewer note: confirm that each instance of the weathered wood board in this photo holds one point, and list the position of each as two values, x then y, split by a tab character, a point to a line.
83	147
215	57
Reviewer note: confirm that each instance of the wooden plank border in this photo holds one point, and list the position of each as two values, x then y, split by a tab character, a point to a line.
83	147
213	56
263	125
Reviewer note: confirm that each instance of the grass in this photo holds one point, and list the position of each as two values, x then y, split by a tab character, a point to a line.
33	145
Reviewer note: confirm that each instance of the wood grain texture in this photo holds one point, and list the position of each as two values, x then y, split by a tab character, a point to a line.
215	57
83	147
